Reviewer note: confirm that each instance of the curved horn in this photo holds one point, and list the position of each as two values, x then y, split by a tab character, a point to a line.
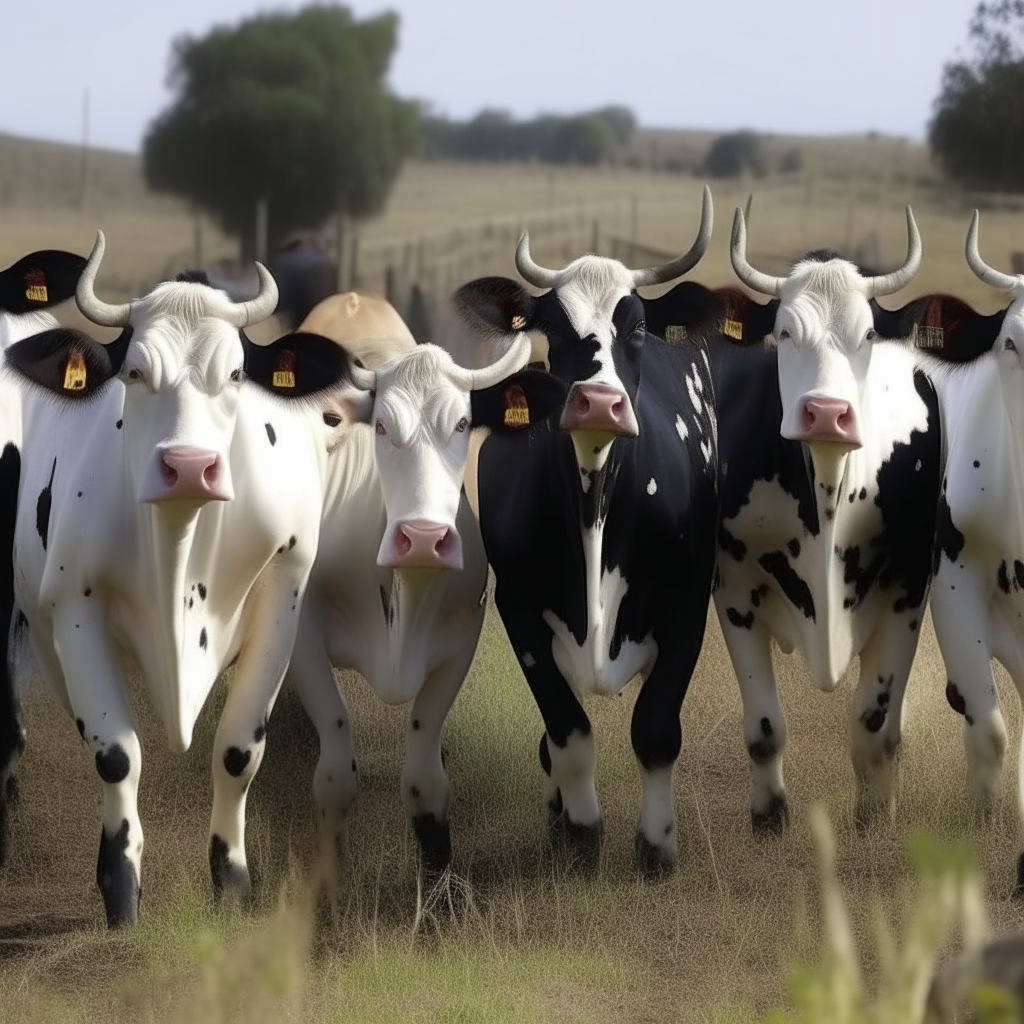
886	284
752	278
98	312
533	273
670	271
362	378
517	356
252	312
1004	282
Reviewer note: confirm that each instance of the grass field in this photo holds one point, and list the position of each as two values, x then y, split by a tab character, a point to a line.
511	939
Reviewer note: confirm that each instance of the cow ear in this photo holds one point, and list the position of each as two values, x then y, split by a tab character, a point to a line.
495	306
297	365
67	362
526	400
941	325
39	280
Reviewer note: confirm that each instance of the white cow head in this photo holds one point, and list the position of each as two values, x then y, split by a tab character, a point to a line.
422	407
824	325
595	326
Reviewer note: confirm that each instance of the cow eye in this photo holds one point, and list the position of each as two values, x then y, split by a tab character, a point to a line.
332	419
236	374
1009	346
641	327
872	334
135	375
462	424
380	429
783	334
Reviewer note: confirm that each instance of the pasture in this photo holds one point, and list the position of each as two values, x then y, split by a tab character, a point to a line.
511	937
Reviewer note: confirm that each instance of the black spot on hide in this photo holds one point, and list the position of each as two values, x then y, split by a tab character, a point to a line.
43	506
271	435
740	621
119	424
735	547
1003	579
236	761
796	590
873	719
955	699
261	731
81	727
112	764
202	591
950	541
116	878
794	548
202	638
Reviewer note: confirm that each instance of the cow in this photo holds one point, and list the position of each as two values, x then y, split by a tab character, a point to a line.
399	586
28	289
601	533
168	520
978	595
830	454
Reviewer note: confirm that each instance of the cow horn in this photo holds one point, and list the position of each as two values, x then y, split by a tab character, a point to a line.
252	312
678	267
1004	282
886	284
753	279
533	273
517	356
364	379
97	311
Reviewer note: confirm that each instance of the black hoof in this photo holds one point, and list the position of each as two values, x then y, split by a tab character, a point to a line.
228	878
1018	890
435	841
652	863
577	847
116	878
773	820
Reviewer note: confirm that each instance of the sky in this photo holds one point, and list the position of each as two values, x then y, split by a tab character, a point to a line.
787	66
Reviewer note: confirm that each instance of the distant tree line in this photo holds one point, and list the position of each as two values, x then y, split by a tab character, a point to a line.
977	133
588	138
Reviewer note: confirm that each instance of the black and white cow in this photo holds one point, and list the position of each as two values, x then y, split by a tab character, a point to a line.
601	534
169	514
27	289
399	585
830	449
978	596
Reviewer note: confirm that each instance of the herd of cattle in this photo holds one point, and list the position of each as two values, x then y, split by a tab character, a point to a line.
183	499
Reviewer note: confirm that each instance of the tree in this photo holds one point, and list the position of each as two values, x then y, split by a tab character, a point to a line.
977	133
288	108
734	154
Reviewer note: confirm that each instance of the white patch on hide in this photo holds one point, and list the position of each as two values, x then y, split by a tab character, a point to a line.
681	428
652	486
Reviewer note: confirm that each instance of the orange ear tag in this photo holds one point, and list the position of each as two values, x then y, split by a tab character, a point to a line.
74	372
517	409
35	286
284	372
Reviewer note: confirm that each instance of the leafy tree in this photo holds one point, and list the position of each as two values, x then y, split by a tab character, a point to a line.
733	154
977	134
290	108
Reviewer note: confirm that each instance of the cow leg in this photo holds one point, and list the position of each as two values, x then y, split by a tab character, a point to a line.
961	617
95	689
240	740
335	779
424	783
764	726
876	715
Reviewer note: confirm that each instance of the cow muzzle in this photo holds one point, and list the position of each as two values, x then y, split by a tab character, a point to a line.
187	474
827	419
599	408
421	544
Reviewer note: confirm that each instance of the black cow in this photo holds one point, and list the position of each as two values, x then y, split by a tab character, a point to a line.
27	289
601	534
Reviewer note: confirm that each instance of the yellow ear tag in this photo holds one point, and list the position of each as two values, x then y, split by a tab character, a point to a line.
284	372
74	372
517	409
35	286
518	322
733	329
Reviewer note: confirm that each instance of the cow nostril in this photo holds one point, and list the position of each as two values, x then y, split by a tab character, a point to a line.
402	542
210	474
169	473
443	542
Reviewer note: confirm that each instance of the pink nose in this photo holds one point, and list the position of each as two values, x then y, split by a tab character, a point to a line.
194	473
602	408
828	419
420	544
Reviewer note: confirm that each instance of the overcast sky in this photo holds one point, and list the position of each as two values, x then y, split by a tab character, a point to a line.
802	66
